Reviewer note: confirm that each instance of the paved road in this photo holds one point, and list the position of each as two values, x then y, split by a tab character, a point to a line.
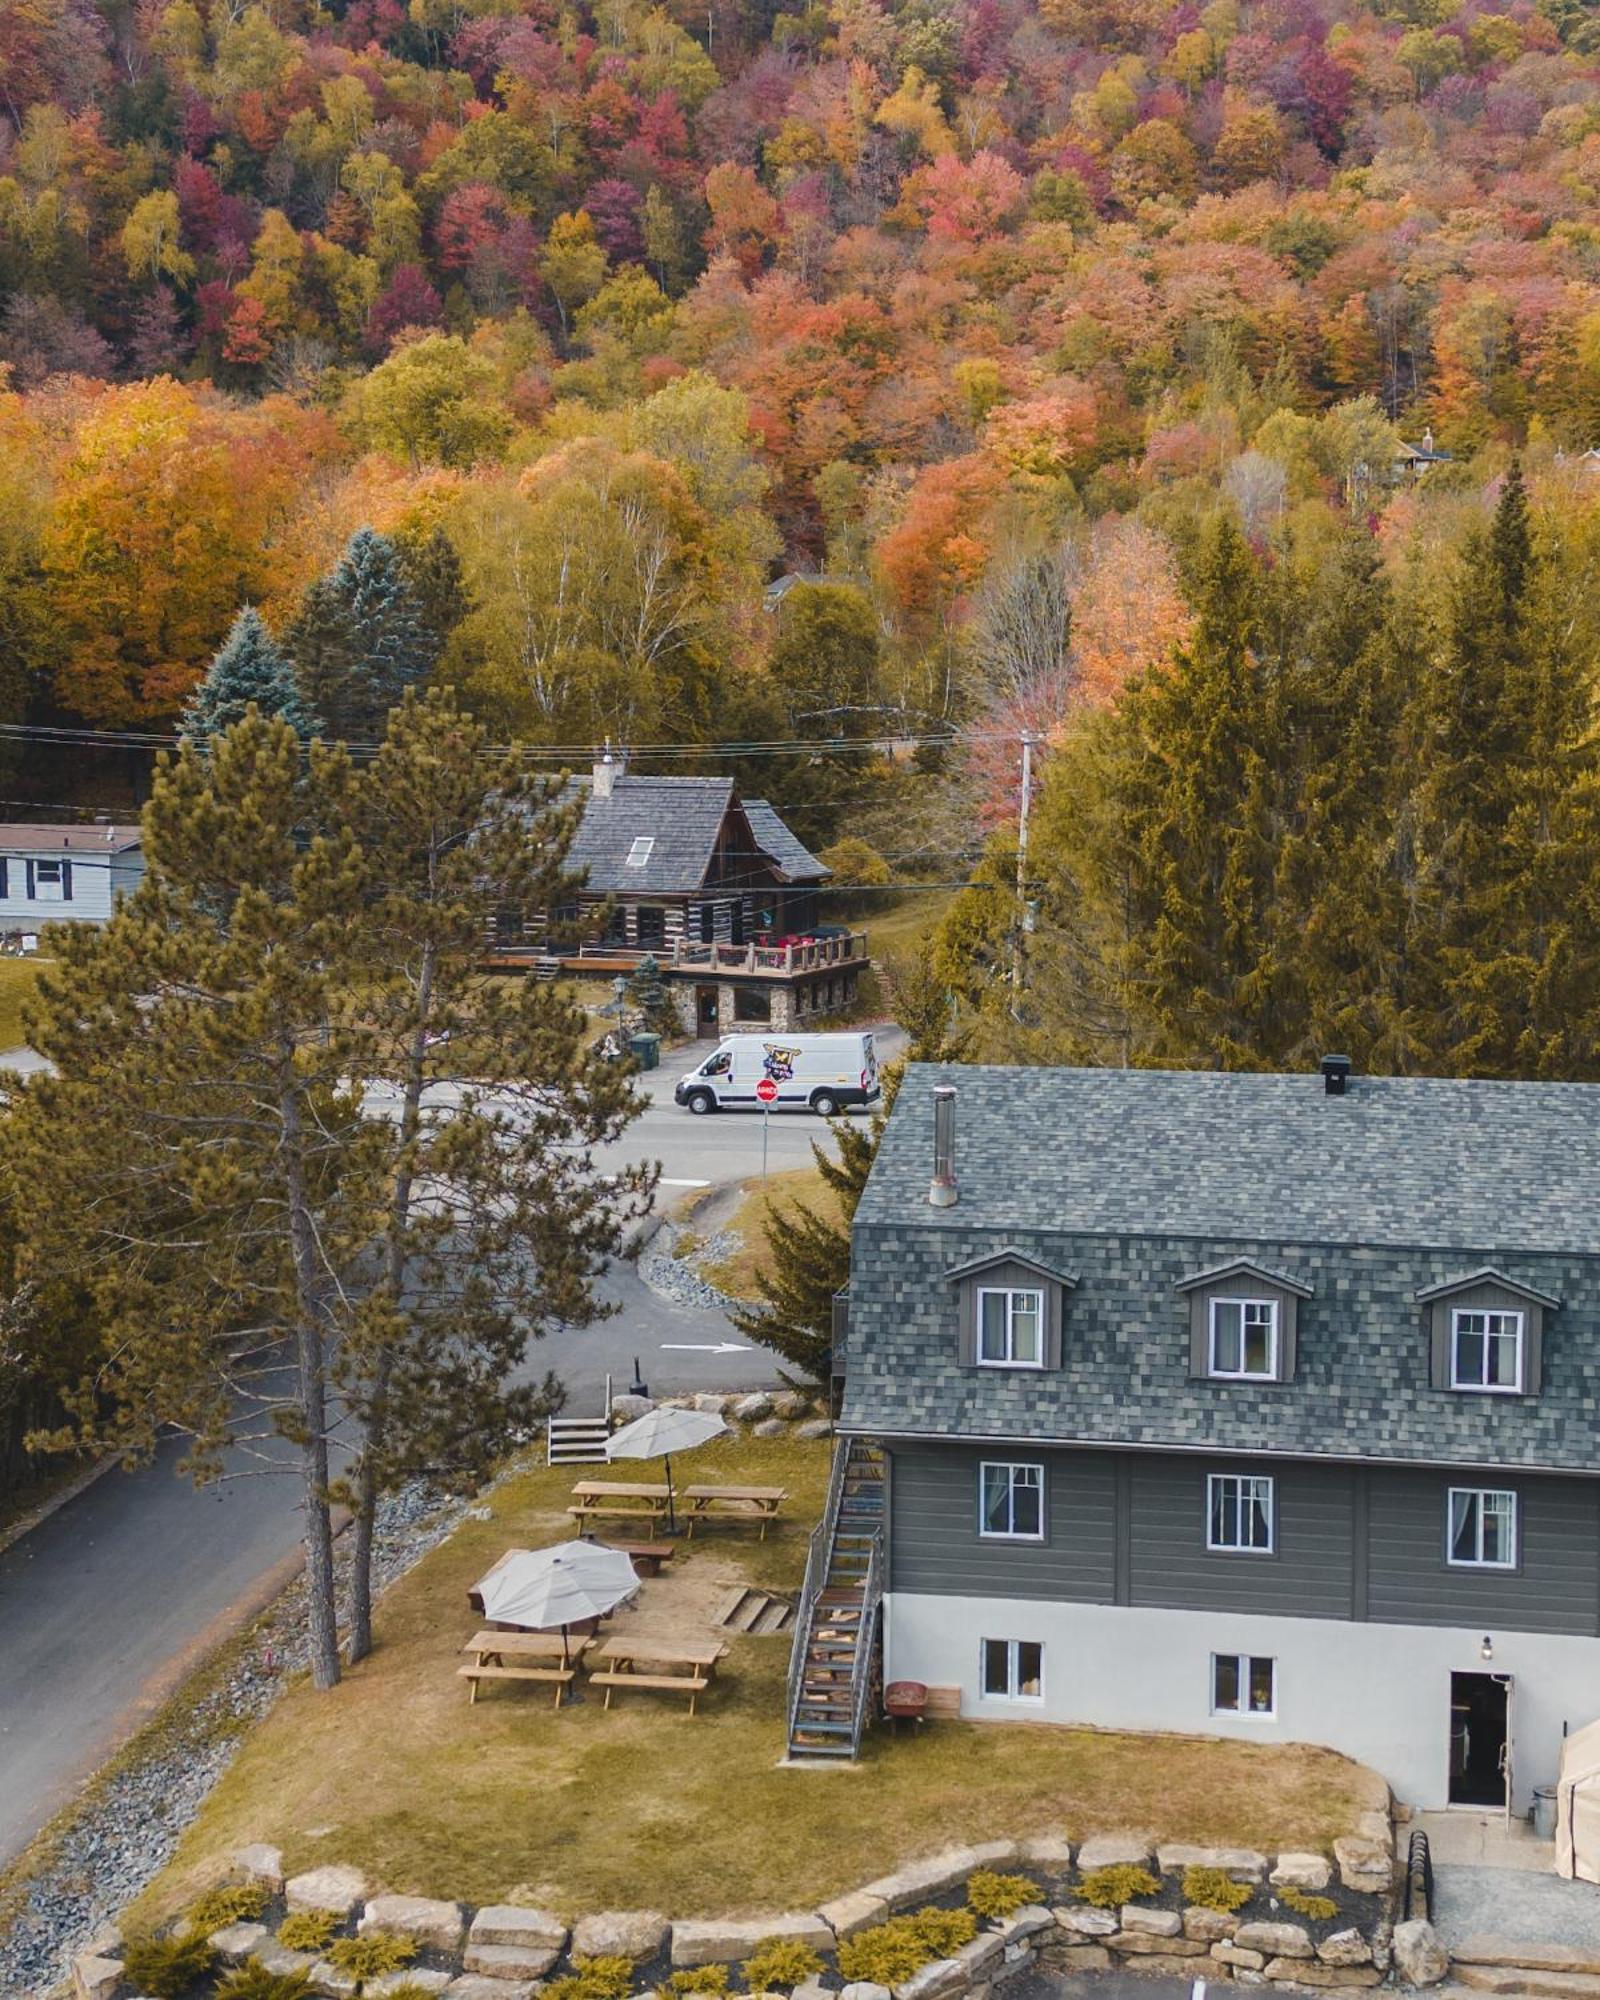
103	1606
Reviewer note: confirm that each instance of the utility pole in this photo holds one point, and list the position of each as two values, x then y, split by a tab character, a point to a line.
1024	807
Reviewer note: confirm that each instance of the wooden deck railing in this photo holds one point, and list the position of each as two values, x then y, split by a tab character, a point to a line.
781	961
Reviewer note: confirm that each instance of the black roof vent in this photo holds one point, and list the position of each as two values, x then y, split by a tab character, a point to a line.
1335	1075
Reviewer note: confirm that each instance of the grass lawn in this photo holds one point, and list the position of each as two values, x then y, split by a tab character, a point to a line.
899	926
644	1807
735	1274
18	977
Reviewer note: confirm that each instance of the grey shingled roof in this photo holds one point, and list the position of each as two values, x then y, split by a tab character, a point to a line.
17	838
681	816
798	863
1396	1160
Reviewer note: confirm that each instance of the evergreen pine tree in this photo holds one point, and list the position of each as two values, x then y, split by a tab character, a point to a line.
249	667
430	565
649	1000
809	1255
360	641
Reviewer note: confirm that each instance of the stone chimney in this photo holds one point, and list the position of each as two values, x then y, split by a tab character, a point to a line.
606	772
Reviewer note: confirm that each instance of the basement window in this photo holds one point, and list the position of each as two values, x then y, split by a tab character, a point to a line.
1013	1670
1243	1684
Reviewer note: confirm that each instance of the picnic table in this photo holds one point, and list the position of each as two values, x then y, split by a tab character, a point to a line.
672	1666
523	1656
614	1500
750	1503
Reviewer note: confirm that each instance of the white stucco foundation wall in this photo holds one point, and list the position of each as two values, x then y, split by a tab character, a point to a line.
1379	1693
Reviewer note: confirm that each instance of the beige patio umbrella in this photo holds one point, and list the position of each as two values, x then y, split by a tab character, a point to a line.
658	1434
567	1585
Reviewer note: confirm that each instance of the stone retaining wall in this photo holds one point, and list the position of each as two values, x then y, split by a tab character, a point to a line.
505	1952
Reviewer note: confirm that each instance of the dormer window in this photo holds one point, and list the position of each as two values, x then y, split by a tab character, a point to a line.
1010	1329
639	853
1486	1350
1244	1340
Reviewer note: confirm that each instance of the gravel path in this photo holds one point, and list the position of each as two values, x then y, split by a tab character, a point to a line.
1511	1903
121	1839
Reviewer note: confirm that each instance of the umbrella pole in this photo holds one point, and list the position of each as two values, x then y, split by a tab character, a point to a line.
672	1511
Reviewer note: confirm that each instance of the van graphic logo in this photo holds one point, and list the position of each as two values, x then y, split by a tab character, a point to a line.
778	1062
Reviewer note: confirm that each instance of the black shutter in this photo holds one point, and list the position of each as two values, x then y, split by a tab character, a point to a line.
66	881
28	865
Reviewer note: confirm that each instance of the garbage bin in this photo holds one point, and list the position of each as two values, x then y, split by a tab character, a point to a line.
646	1049
1544	1812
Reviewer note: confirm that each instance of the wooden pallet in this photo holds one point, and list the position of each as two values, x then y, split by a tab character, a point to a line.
756	1612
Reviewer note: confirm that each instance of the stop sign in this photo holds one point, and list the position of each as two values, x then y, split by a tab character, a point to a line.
766	1090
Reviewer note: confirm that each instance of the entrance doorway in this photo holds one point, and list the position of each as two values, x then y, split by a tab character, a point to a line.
705	1009
1480	1763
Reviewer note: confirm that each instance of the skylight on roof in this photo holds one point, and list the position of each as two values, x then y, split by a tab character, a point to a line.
639	853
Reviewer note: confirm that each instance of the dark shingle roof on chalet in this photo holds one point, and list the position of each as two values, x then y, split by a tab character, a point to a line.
1397	1160
797	861
680	817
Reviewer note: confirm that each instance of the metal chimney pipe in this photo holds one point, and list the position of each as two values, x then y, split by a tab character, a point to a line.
942	1188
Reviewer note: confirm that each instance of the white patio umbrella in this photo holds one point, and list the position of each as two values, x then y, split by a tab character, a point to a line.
565	1585
661	1432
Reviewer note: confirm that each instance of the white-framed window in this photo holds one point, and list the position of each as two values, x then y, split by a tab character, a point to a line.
1240	1512
1486	1350
639	852
50	881
1011	1329
1011	1502
1482	1532
1243	1684
1012	1669
1244	1339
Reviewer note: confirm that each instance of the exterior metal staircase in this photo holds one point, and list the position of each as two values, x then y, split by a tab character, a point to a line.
834	1662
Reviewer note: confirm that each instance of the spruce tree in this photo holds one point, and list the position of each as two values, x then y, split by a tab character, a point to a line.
360	640
430	565
649	999
249	667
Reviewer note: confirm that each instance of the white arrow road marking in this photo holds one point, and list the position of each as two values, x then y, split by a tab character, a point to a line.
666	1180
704	1347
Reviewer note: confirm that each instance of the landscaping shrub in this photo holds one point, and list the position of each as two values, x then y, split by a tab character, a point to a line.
1215	1889
254	1982
889	1953
232	1903
700	1979
993	1895
592	1979
1318	1908
780	1965
1125	1882
370	1957
307	1930
166	1967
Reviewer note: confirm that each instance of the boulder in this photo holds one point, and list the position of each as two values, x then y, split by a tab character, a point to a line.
1301	1871
1419	1956
1210	1926
726	1942
771	1427
789	1403
1115	1850
423	1918
1366	1866
95	1978
928	1982
336	1890
1346	1947
1295	1972
1276	1940
864	1989
846	1915
938	1872
1046	1850
713	1404
329	1980
279	1960
1243	1864
413	1979
471	1987
260	1863
1239	1956
811	1989
516	1924
817	1427
1154	1923
629	1409
975	1958
1138	1943
751	1409
1024	1923
510	1961
1083	1920
631	1934
1081	1958
234	1943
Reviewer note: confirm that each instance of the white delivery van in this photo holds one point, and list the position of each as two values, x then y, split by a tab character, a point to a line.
822	1073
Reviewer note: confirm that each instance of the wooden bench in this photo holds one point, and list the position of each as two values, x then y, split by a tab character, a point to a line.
646	1557
584	1511
562	1676
693	1685
748	1503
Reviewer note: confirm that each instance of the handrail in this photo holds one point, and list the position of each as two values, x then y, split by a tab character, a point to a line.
871	1597
810	1589
1419	1877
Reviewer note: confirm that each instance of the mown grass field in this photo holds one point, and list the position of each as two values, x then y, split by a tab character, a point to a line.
642	1806
735	1273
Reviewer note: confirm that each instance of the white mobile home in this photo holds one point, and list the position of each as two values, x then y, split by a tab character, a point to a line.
65	874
